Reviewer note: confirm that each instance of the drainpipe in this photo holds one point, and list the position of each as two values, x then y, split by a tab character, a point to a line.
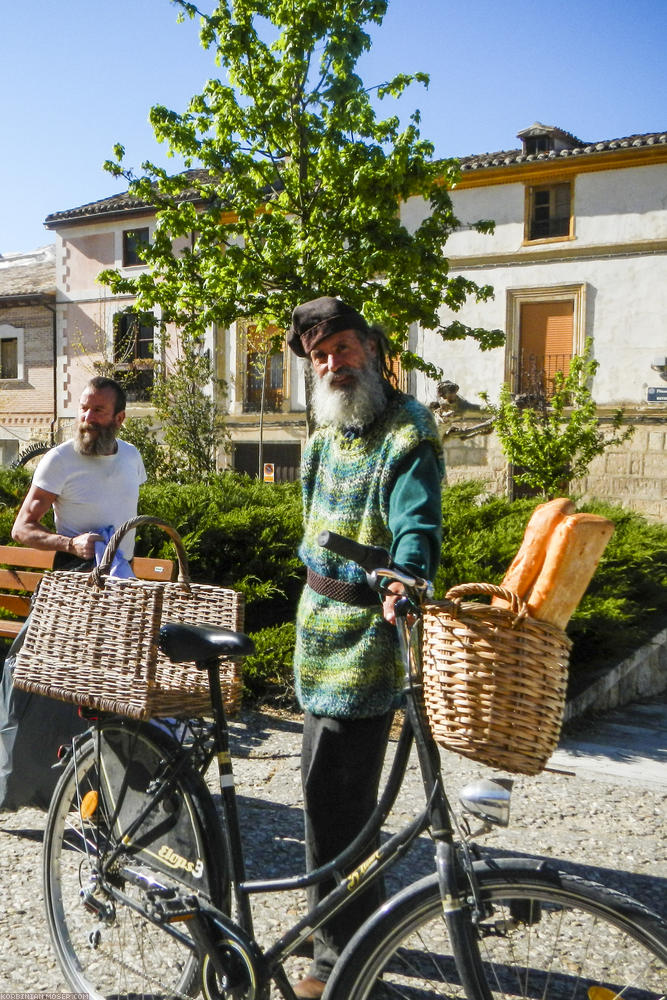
52	310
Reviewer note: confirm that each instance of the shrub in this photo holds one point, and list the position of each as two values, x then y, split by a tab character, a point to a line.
552	440
267	675
237	532
14	484
243	533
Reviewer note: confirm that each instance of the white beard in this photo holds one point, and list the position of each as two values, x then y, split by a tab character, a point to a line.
353	406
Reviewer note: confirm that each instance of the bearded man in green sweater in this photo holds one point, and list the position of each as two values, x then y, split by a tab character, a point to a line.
372	471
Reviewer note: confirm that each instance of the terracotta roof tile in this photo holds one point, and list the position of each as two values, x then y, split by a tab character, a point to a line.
28	274
116	204
125	203
513	157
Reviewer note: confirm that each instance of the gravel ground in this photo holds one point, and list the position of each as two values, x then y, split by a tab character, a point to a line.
611	832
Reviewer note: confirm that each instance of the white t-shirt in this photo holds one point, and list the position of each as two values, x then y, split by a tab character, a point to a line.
93	492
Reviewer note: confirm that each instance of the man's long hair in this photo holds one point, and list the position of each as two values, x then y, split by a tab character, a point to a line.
384	356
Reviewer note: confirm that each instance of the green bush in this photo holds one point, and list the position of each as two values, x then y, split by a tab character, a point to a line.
267	675
14	484
243	533
238	532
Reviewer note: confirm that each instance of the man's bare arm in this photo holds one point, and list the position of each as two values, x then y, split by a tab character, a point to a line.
28	530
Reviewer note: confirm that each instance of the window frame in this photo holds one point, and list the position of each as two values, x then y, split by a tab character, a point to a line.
530	192
8	332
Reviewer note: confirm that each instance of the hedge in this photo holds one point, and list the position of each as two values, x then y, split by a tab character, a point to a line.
243	533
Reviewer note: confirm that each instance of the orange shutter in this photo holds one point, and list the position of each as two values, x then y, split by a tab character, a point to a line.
545	341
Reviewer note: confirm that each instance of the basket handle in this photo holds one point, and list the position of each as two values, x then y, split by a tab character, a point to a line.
97	574
517	606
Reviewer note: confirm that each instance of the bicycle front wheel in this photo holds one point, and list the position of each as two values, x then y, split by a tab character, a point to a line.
100	872
544	935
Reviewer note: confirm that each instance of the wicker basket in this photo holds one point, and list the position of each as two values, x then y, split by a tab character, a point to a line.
92	639
494	679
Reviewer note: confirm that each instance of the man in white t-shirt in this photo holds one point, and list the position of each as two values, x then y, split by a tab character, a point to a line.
92	482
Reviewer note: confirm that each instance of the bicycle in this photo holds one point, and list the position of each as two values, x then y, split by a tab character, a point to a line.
147	896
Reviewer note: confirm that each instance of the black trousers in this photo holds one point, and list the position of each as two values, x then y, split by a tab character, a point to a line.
341	766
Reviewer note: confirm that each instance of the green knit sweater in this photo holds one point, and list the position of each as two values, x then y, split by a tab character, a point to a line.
380	488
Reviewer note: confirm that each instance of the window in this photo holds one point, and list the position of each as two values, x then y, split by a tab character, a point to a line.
133	241
11	352
9	357
548	214
397	370
273	382
133	352
545	340
537	144
545	328
262	371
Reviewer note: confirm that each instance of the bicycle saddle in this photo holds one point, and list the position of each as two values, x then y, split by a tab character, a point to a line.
202	642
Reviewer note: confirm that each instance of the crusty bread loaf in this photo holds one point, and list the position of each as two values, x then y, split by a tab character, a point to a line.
527	563
572	556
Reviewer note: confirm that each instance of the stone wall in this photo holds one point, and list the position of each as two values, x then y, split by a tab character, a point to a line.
633	474
639	677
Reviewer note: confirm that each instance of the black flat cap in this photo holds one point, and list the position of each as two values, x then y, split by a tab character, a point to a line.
315	320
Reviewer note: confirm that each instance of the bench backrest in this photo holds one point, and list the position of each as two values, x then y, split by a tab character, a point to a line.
22	568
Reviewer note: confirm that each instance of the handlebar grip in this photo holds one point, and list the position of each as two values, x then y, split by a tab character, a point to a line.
369	557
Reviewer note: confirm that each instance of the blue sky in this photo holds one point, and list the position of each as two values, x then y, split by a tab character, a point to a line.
79	75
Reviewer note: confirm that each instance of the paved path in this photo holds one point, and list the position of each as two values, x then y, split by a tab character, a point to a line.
628	745
596	823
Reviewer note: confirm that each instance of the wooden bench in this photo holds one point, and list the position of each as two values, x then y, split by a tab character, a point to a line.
22	568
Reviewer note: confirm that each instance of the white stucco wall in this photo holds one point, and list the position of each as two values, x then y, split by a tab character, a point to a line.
626	306
620	215
616	206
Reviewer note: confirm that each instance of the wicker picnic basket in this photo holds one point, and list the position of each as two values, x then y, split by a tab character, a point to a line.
494	679
92	639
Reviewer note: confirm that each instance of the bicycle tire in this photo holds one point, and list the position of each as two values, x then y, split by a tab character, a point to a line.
544	934
116	951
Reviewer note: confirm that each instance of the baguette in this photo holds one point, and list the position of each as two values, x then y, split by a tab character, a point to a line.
527	563
572	556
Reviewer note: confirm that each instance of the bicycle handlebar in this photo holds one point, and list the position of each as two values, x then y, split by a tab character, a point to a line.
374	559
369	557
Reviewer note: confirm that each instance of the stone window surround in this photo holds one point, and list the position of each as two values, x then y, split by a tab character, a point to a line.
575	293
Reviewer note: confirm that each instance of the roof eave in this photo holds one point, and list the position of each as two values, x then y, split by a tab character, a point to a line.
29	299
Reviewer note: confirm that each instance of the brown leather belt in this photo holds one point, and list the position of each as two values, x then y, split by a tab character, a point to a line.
359	594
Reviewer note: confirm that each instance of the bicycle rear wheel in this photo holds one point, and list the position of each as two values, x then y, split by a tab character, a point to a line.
97	878
544	935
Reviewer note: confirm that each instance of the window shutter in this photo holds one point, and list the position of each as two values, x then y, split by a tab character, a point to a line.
545	343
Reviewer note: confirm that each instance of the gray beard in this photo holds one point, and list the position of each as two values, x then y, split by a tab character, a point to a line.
354	406
101	443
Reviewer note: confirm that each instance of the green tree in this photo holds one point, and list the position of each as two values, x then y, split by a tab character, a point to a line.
551	441
140	432
191	419
293	183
